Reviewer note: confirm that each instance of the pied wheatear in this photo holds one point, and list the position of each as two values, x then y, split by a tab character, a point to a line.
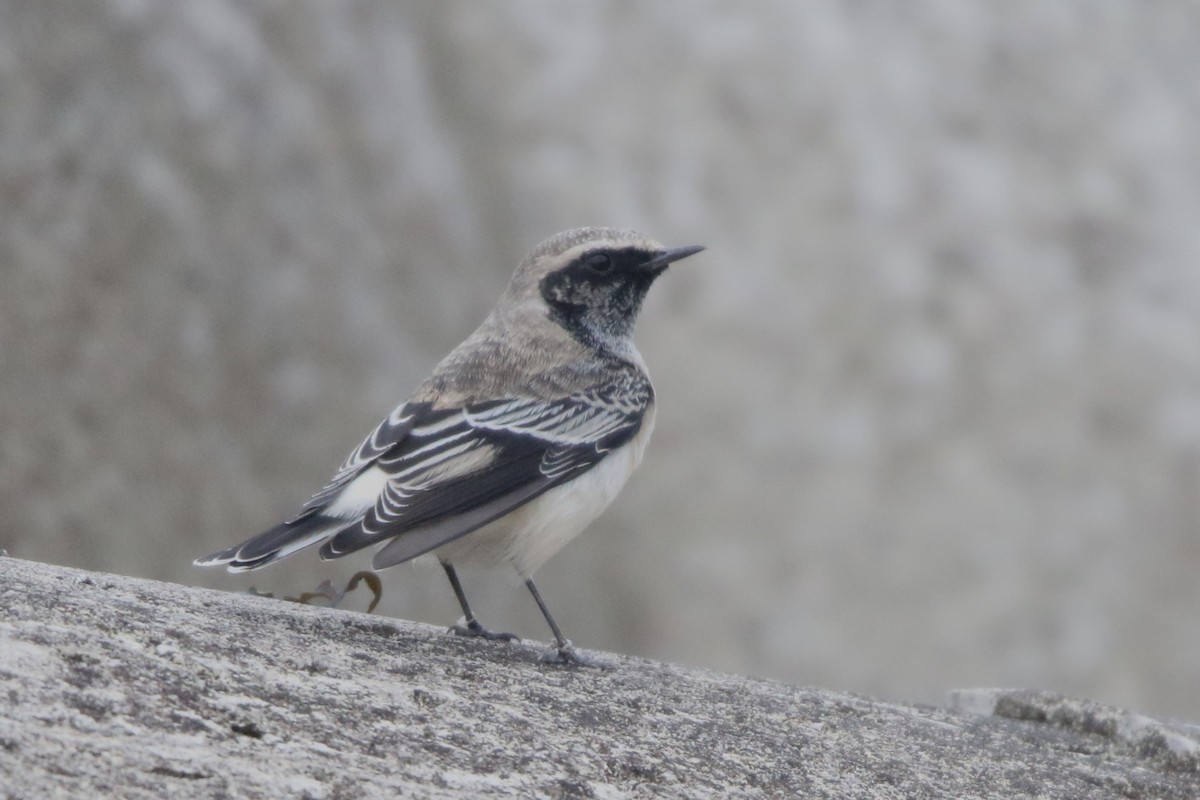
515	443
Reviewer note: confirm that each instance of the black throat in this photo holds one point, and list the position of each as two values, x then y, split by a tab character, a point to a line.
597	310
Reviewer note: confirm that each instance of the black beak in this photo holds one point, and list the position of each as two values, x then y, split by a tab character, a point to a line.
660	261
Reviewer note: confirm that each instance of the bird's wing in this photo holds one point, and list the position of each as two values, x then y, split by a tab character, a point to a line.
388	434
427	476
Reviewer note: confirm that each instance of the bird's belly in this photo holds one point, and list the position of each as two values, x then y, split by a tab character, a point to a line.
528	536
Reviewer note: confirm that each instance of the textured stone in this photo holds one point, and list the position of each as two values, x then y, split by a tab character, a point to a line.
114	686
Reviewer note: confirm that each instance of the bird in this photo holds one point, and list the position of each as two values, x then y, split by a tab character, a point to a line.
515	443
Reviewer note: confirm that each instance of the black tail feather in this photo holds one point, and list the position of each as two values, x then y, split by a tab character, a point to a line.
349	540
275	543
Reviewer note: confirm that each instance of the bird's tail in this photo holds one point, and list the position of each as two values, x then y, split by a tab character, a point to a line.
276	543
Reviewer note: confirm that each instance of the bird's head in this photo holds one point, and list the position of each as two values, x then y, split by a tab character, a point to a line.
593	280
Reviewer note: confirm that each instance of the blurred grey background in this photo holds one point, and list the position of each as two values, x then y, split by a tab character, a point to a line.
929	404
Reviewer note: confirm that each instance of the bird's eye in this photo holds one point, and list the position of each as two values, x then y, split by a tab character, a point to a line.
599	262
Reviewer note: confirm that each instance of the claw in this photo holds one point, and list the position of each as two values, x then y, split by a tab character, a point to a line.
566	654
473	628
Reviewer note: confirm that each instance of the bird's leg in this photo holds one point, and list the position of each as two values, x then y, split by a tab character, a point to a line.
469	626
564	652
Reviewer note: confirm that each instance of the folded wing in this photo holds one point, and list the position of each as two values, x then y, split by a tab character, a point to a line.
427	476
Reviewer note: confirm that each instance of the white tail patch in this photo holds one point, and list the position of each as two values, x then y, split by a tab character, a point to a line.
359	495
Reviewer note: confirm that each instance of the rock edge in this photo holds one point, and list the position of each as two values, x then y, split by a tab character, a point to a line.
117	686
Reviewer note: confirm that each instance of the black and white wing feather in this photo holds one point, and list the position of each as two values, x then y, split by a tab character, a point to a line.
427	476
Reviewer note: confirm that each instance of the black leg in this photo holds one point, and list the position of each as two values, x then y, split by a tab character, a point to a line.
564	653
471	626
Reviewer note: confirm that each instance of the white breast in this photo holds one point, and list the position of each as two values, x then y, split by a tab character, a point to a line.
530	535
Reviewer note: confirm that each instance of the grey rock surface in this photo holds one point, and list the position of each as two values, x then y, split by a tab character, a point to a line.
115	686
940	363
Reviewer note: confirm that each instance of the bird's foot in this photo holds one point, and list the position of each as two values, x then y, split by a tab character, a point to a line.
473	628
566	654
